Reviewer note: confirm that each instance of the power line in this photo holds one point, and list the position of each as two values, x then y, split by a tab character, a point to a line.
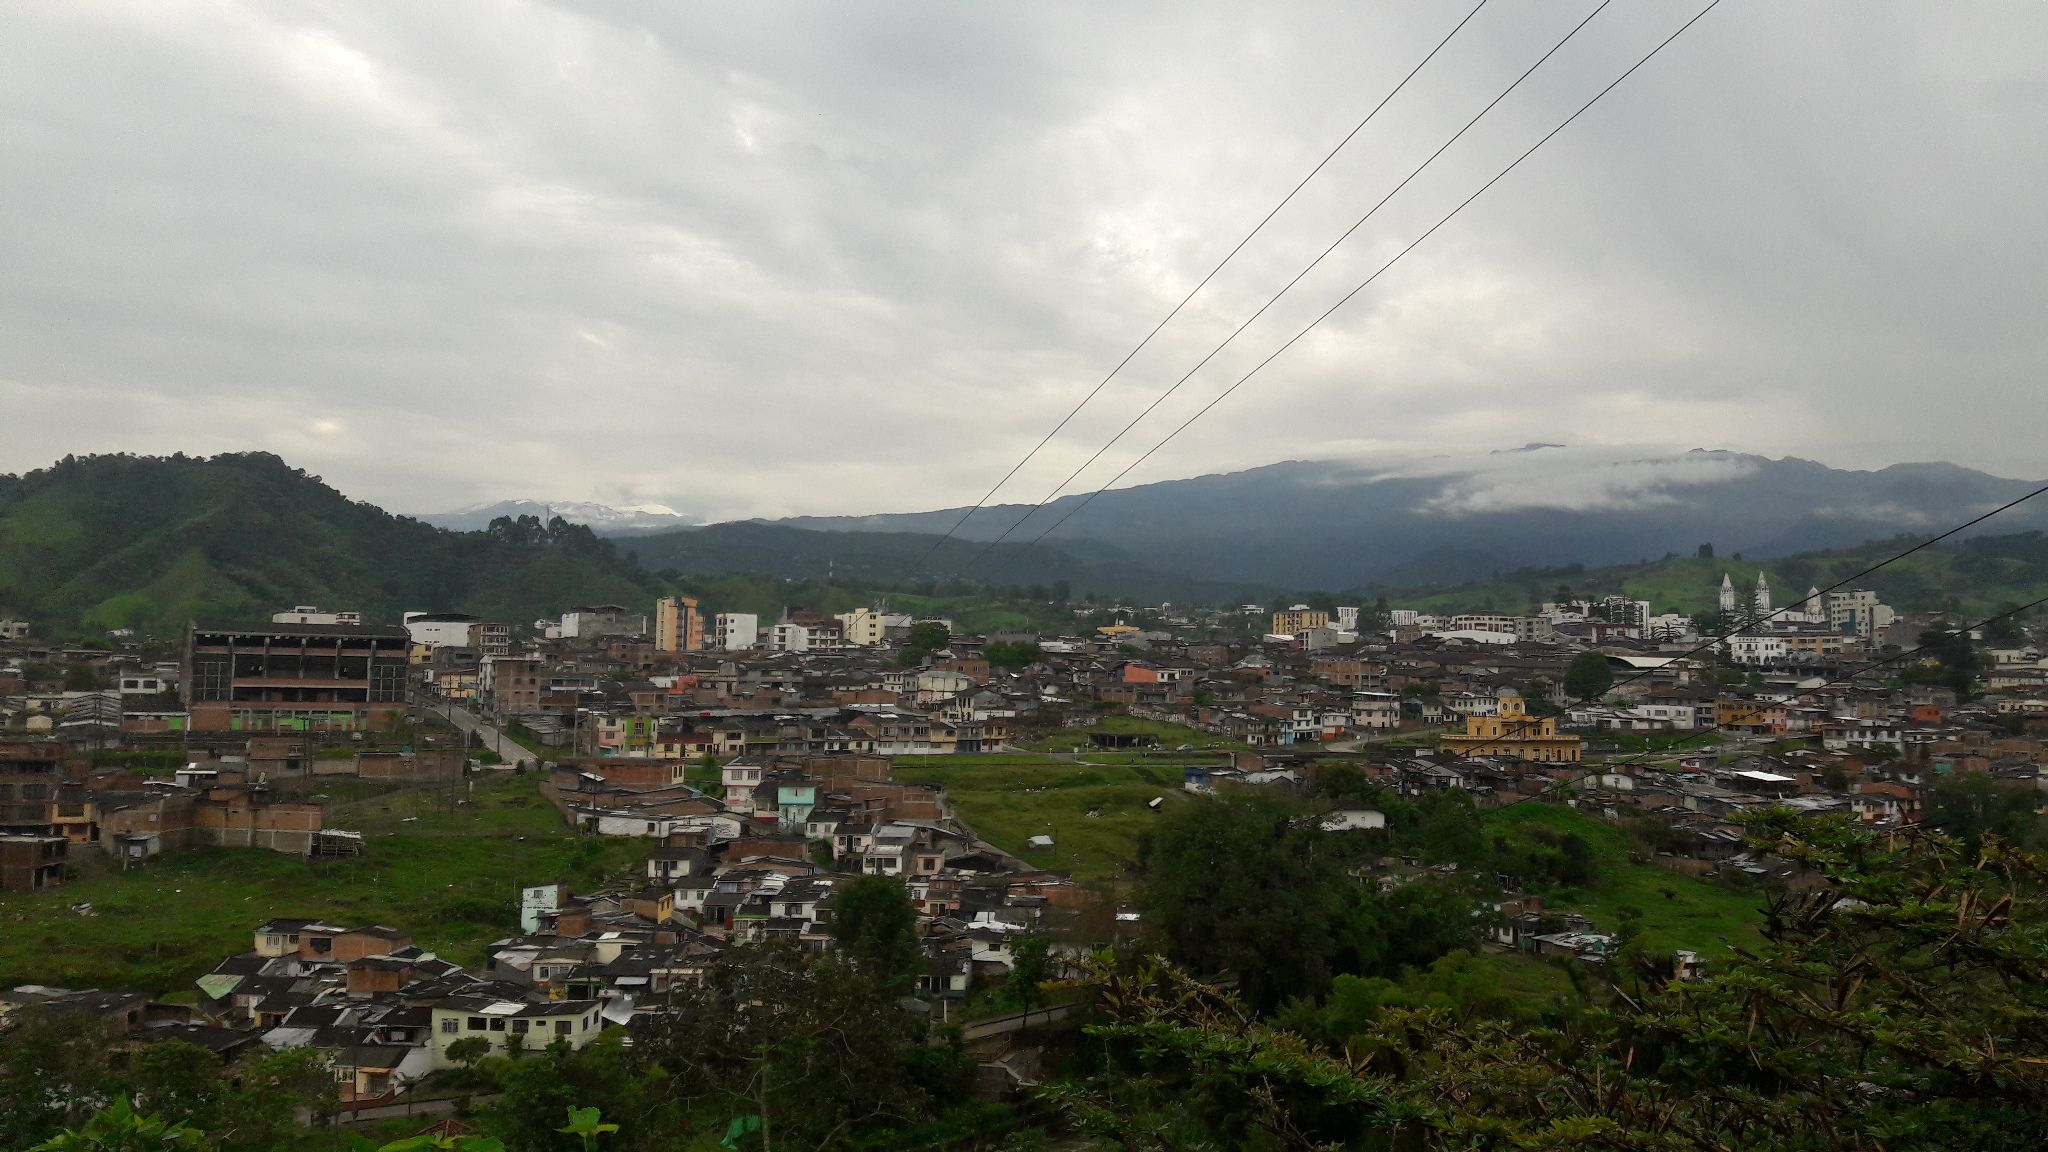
1287	287
1748	625
1348	296
1844	677
1228	257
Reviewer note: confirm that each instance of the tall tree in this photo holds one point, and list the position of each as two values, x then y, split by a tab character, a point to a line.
1969	805
875	925
1226	881
809	1045
1589	677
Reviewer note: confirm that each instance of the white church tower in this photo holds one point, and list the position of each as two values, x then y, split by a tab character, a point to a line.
1762	600
1727	595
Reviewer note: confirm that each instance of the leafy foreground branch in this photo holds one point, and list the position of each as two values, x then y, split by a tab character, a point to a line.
1900	1002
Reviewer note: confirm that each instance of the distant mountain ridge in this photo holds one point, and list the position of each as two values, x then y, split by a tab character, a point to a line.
151	543
1328	525
603	519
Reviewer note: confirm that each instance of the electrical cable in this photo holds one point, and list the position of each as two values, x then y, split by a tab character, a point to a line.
1256	229
1347	297
1284	289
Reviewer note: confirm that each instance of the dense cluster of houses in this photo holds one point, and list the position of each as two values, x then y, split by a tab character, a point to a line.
385	1012
757	764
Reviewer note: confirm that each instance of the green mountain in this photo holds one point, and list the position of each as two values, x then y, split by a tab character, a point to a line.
150	543
1977	575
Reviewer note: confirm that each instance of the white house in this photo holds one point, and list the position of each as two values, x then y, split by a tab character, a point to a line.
575	1022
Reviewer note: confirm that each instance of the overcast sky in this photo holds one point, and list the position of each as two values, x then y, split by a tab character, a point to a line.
761	259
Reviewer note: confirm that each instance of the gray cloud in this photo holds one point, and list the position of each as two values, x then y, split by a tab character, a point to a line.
753	260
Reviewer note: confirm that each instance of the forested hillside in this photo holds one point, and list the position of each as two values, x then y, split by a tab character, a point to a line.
149	543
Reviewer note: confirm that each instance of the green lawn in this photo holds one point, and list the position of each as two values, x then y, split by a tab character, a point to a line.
1007	804
451	877
1677	911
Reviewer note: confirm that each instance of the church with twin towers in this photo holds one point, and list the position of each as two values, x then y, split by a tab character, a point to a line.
1758	605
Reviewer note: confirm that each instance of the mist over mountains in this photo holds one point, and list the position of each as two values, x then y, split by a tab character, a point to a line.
603	519
152	542
1309	524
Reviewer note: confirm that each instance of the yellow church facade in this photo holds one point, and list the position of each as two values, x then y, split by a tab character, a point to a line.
1513	732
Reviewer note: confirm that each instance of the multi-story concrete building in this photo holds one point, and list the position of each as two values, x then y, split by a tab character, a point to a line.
738	631
511	684
678	624
1291	620
1857	613
864	627
295	677
441	629
599	621
491	638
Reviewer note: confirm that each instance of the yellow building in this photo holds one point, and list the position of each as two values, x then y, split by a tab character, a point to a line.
1814	643
678	624
1513	732
1299	618
864	627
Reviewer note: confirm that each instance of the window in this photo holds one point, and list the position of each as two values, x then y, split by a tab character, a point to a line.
561	1027
476	1023
450	1026
519	1026
323	944
497	1023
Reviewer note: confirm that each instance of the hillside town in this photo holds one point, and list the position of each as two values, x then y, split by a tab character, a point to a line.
756	762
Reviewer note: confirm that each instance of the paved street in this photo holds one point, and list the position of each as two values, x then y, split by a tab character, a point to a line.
467	721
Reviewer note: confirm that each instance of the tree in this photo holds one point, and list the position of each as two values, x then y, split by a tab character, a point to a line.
1971	805
1006	655
53	1072
469	1051
1030	968
81	678
875	925
624	1083
809	1045
1224	879
2007	629
1956	661
926	637
1896	1005
1589	677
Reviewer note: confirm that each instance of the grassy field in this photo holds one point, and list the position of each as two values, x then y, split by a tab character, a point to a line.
1676	911
1009	803
448	873
1008	799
